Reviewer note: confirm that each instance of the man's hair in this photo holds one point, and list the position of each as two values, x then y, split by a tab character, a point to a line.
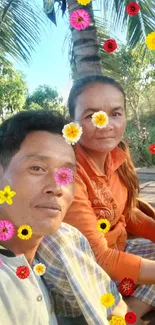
14	130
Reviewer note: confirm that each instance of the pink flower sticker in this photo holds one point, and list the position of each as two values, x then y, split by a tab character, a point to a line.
6	229
63	176
80	19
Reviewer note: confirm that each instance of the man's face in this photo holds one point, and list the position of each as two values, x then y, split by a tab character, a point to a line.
40	201
99	97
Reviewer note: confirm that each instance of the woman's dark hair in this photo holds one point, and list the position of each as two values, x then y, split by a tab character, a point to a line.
80	84
14	130
126	170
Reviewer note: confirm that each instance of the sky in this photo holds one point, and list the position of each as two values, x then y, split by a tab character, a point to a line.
50	63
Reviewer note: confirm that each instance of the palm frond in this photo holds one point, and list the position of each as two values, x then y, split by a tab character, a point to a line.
50	10
109	60
21	22
142	24
139	26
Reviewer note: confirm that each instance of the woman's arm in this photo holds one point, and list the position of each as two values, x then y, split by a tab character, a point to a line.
141	225
116	263
147	272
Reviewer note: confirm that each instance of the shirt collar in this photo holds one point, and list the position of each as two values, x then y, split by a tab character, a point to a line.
6	252
114	160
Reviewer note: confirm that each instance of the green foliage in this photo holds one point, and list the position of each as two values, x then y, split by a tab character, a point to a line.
44	97
137	79
139	26
20	24
13	89
140	139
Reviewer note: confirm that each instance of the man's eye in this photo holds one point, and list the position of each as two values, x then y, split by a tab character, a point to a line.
36	168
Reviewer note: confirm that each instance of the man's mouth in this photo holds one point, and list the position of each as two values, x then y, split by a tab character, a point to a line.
49	205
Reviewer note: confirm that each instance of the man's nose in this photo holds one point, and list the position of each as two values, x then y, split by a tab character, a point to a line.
52	187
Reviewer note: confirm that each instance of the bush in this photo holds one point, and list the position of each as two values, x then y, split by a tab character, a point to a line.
140	139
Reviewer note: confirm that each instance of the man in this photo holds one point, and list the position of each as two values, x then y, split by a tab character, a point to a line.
32	205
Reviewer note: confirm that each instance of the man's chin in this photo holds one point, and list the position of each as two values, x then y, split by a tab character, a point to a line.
51	230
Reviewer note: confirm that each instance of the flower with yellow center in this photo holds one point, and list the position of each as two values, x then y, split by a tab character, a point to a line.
84	2
103	225
72	132
150	41
117	320
6	195
100	119
39	269
107	300
24	232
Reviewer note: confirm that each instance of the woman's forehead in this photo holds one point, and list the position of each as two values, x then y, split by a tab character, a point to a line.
99	97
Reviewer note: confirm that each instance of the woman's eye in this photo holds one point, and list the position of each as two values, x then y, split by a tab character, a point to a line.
117	114
89	116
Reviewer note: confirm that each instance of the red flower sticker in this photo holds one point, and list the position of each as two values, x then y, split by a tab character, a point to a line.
22	272
127	287
132	9
152	148
110	45
130	318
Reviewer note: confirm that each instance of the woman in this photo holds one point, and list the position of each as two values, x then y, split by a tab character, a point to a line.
107	188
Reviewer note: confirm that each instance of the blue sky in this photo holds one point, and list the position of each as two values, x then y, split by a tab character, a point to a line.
50	64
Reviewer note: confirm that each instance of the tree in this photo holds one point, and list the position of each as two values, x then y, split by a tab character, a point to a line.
46	97
86	49
136	79
85	43
21	22
13	89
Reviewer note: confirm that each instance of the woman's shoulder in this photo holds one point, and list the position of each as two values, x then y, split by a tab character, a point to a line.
86	168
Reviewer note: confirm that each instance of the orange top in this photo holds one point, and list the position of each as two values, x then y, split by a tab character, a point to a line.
100	196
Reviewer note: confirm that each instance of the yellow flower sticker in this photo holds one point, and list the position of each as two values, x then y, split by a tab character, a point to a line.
100	119
117	320
84	2
6	195
150	41
107	300
72	132
24	232
103	225
39	269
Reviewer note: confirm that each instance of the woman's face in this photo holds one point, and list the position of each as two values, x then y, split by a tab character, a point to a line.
99	97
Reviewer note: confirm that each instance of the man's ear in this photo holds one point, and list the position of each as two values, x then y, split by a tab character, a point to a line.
1	172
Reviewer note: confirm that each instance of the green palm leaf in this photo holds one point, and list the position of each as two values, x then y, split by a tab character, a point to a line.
109	60
20	24
139	26
50	10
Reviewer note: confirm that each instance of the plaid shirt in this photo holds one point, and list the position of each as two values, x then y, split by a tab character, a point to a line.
73	277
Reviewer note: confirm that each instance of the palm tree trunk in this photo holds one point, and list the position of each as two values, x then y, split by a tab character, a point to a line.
85	52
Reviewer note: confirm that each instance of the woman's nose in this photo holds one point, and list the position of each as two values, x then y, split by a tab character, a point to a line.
108	127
